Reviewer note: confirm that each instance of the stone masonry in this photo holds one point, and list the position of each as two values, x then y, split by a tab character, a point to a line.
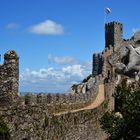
9	79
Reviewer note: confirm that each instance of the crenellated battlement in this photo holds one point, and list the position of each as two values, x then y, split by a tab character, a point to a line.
113	34
61	102
113	23
75	100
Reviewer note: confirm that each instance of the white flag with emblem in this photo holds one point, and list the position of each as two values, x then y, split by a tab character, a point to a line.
107	10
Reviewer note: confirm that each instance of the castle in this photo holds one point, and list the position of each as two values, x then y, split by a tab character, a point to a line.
63	116
113	41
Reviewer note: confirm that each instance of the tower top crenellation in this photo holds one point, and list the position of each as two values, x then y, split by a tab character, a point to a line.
113	23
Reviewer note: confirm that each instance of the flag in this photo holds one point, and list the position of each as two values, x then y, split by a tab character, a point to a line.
107	10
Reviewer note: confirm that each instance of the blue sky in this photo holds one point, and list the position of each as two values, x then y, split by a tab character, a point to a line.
55	39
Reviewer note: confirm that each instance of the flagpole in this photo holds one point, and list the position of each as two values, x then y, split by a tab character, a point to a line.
104	16
104	21
106	12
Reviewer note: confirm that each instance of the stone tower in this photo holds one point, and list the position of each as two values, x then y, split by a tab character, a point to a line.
113	34
113	40
97	64
9	78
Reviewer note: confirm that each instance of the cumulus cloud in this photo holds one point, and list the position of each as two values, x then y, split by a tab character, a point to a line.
53	80
62	60
67	60
47	27
12	26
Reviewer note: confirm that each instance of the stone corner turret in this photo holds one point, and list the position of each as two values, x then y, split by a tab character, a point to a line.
9	78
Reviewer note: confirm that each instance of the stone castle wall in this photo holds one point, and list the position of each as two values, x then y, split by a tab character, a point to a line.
35	123
113	41
36	119
62	102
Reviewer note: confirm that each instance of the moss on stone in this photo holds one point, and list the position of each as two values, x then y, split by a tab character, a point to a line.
4	130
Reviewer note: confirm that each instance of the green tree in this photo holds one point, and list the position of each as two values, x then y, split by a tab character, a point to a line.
125	124
86	79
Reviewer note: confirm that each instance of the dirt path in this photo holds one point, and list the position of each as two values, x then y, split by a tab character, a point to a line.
97	102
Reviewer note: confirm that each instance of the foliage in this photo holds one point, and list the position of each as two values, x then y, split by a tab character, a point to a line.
4	130
86	79
74	87
112	125
105	104
27	99
127	124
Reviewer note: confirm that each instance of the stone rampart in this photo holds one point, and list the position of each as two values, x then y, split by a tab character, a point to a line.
62	102
82	125
97	64
35	123
108	51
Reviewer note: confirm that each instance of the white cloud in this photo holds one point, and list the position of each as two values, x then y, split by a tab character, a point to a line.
67	60
77	70
53	80
62	60
12	26
47	27
134	30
